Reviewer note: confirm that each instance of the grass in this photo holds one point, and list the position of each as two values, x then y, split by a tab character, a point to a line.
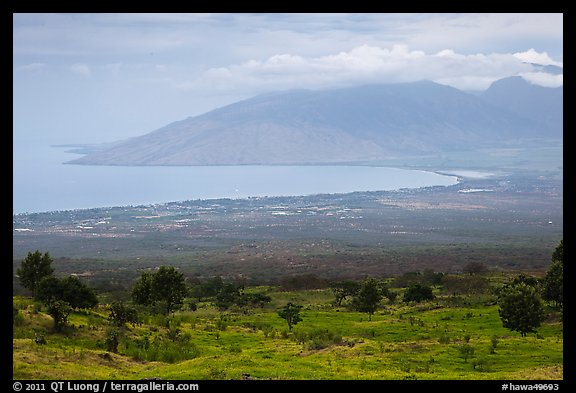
403	341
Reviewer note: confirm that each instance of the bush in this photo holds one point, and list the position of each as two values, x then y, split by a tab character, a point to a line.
161	350
317	338
418	293
444	339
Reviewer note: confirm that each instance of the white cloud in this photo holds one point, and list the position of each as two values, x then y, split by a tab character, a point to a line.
366	64
543	79
81	69
531	56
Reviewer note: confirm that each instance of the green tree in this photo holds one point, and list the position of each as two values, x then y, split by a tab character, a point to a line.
344	289
33	269
169	286
553	283
418	293
48	290
553	290
166	286
78	294
291	314
229	295
59	310
142	290
70	290
466	351
121	314
368	297
521	308
558	254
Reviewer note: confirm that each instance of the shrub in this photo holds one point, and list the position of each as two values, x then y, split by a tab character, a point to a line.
418	293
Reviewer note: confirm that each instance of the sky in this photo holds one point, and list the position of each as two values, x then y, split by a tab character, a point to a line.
93	78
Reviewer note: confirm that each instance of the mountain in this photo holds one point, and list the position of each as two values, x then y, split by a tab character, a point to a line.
540	105
356	124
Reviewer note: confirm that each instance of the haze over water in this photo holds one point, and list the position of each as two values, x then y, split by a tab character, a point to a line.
44	183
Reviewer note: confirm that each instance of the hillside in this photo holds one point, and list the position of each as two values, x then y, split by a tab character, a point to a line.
357	124
402	341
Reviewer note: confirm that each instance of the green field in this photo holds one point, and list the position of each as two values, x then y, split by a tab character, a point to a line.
402	341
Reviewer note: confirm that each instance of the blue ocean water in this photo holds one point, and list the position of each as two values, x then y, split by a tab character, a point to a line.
41	182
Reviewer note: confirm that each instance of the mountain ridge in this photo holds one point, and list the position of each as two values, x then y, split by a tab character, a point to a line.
345	125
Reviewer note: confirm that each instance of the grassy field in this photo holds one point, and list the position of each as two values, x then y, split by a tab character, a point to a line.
402	341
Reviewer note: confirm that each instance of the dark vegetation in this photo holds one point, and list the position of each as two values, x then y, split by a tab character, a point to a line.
304	242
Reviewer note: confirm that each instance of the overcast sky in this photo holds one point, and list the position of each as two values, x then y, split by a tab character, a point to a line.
90	78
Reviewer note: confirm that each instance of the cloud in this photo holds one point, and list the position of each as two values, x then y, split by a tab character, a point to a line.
531	56
543	79
368	64
80	69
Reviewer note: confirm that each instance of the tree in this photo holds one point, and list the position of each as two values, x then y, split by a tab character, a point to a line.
368	297
78	294
466	351
553	290
418	293
521	308
142	290
558	254
59	310
167	286
121	314
257	299
344	289
48	290
230	294
291	313
33	269
553	284
70	290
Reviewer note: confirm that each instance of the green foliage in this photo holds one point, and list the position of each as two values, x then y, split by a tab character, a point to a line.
167	286
78	294
291	314
159	349
317	338
17	317
368	297
553	285
343	290
418	293
521	308
466	351
558	254
33	269
332	344
142	290
112	340
465	285
121	314
229	295
59	310
70	290
493	344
